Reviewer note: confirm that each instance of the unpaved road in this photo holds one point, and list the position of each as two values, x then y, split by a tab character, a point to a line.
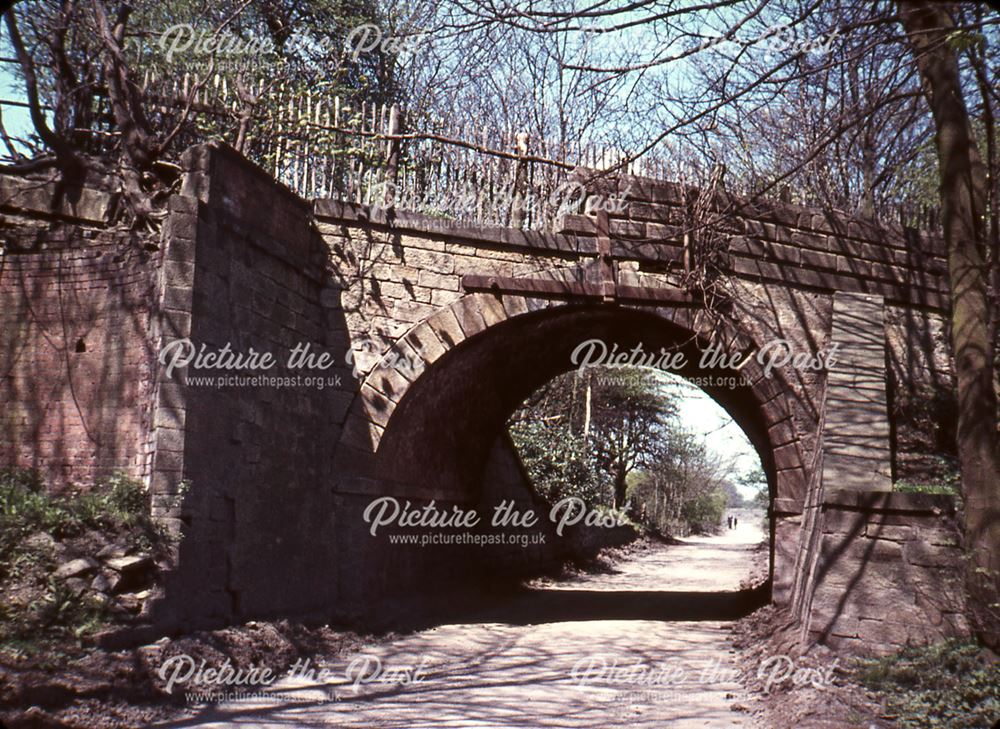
590	652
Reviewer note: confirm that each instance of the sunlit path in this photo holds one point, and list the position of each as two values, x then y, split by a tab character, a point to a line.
528	670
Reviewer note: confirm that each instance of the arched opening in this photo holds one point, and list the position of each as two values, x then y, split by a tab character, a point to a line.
444	429
441	432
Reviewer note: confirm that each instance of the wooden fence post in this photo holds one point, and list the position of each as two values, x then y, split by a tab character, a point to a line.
392	156
518	212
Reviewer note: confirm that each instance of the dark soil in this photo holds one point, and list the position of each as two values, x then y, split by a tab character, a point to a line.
769	632
98	689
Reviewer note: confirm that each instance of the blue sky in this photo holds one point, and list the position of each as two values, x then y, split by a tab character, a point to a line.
15	119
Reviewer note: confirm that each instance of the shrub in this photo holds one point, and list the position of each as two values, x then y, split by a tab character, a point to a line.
943	478
558	463
114	505
954	684
32	521
704	512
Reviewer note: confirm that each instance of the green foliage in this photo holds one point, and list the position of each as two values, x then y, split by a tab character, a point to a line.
558	463
755	478
945	478
32	521
571	448
963	40
703	512
686	490
633	417
951	685
26	508
609	436
57	612
909	487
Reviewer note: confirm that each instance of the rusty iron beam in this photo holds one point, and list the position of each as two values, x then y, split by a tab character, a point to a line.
578	290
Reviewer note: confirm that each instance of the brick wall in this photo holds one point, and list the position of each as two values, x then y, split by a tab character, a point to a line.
77	301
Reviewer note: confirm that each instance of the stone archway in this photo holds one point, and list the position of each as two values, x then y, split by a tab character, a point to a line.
427	431
479	370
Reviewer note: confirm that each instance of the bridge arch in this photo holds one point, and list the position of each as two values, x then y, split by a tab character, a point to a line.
429	429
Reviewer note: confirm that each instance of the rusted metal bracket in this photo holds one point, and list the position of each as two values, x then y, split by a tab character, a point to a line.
596	281
545	288
605	266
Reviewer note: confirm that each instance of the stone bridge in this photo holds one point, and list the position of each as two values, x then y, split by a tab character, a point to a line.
433	334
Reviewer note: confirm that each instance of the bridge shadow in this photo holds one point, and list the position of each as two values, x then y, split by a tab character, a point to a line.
495	676
593	590
553	606
519	605
480	667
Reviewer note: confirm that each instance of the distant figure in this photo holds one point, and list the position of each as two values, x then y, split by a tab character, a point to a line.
735	522
729	520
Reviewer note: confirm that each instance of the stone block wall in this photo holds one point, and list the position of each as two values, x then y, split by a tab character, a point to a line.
242	455
400	307
855	432
878	569
271	523
889	574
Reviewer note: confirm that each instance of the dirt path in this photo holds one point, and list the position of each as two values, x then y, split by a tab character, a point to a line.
581	653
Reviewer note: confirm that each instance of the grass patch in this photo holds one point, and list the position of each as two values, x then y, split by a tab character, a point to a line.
908	487
954	684
942	478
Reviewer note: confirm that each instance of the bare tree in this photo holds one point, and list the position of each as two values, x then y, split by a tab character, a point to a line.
85	66
812	95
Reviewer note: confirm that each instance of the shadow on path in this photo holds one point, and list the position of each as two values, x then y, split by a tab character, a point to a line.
559	653
554	606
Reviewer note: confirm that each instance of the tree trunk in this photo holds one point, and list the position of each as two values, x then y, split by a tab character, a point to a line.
621	486
962	179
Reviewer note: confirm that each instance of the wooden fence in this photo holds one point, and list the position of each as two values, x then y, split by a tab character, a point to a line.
322	145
